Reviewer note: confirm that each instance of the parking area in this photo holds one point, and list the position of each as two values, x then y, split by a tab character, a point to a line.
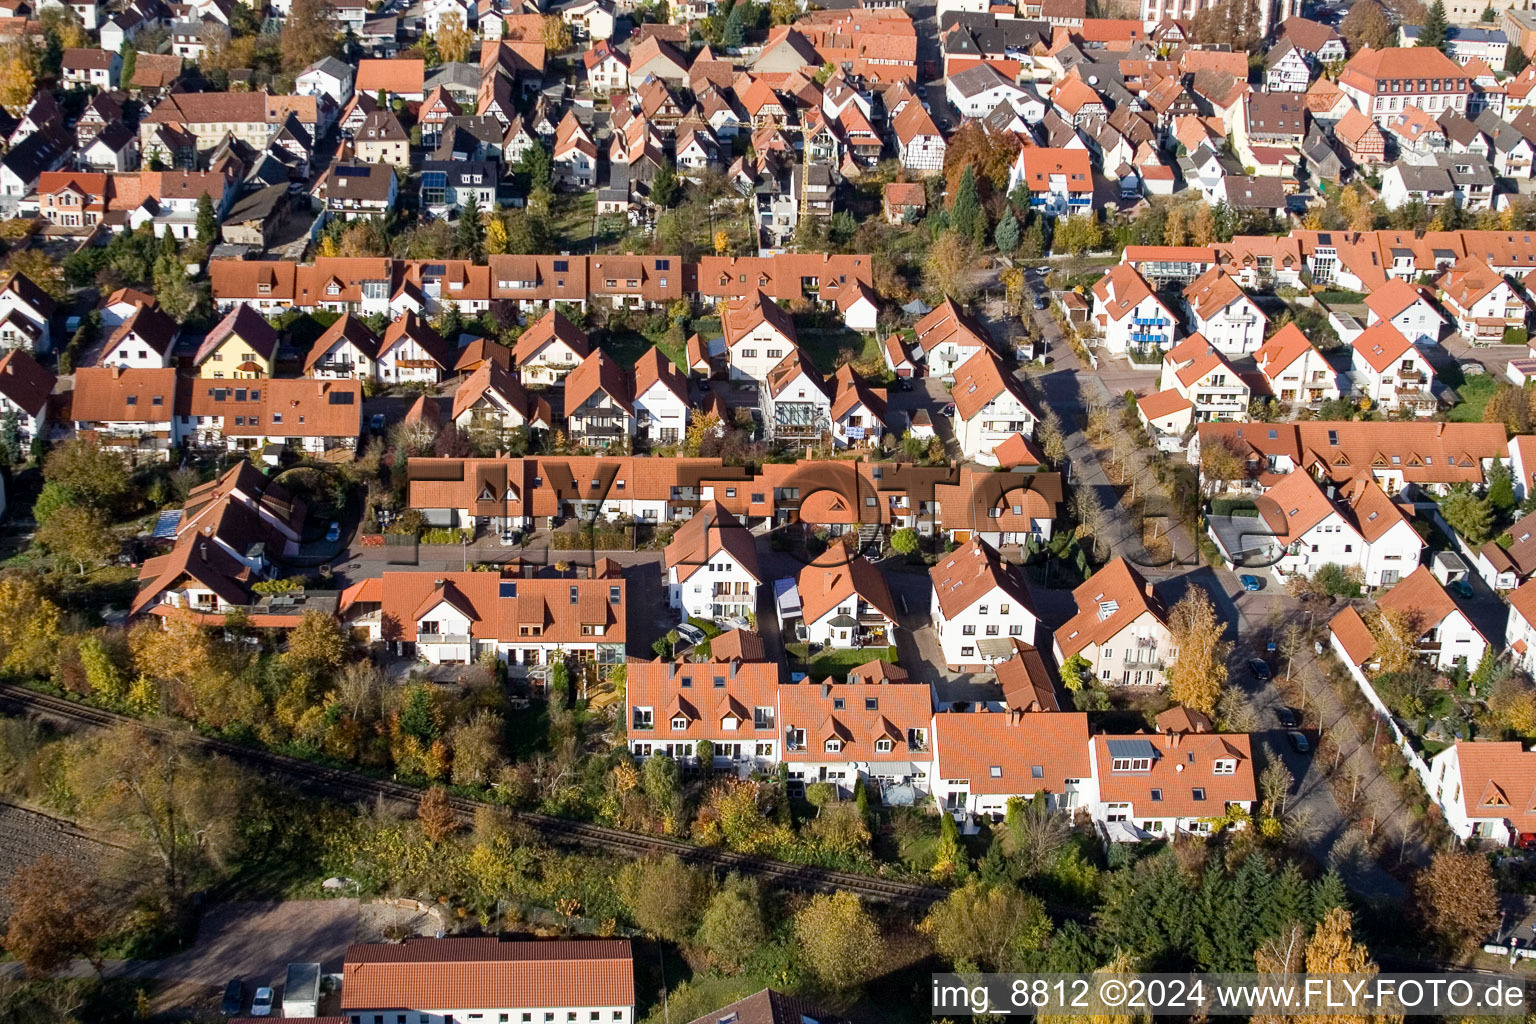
257	941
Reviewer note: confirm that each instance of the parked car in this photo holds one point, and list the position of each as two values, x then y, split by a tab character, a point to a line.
1299	741
1463	587
376	423
333	532
509	538
1289	718
690	634
234	998
1251	583
1040	302
1260	669
732	622
261	1006
903	383
948	410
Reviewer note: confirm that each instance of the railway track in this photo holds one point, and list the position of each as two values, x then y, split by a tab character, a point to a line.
334	782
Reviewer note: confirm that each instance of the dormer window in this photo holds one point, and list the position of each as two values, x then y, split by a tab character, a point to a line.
883	745
679	723
1224	766
834	745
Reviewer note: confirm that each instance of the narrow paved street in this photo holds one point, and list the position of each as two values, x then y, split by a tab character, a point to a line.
1253	619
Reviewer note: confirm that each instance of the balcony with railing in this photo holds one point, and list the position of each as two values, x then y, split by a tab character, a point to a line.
442	638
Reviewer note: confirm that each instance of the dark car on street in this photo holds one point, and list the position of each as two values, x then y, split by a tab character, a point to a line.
1260	669
1289	718
234	998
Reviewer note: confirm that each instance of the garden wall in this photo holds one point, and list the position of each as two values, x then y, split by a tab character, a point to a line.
1415	761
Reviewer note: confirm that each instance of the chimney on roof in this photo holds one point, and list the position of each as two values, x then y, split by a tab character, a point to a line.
734	663
117	370
672	670
1439	429
826	690
1148	587
1015	716
202	550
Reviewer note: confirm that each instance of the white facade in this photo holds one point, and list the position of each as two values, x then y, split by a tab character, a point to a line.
1419	322
720	588
996	615
1236	328
661	414
757	351
991	425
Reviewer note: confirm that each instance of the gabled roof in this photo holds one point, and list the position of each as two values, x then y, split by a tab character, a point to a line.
150	326
599	372
1421	597
711	530
982	378
453	972
1281	350
552	326
348	328
653	368
1213	291
1294	506
743	314
834	577
494	378
246	324
107	395
998	753
412	327
394	75
1392	298
1110	600
850	392
769	1006
1469	280
1380	345
25	382
970	573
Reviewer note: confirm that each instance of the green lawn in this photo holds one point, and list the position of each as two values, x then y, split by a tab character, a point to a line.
825	345
571	219
834	663
1474	392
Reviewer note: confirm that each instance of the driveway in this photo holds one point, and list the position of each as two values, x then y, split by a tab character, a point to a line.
257	942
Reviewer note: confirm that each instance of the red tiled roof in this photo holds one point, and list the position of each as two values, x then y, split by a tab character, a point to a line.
971	745
438	974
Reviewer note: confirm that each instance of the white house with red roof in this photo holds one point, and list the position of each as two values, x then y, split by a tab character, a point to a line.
1300	529
983	759
1197	372
489	979
1059	181
1296	371
1487	791
24	389
758	335
1120	628
1446	636
1176	780
1128	314
711	564
550	349
946	337
1220	310
1483	303
843	601
453	618
980	605
1391	372
1406	307
661	399
1520	628
990	407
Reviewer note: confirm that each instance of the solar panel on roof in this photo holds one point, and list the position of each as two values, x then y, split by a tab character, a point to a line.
1132	748
166	523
